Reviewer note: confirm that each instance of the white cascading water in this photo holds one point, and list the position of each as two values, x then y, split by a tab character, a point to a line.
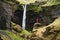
24	17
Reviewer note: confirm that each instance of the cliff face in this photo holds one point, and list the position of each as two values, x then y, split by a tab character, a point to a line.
53	12
46	16
2	17
6	12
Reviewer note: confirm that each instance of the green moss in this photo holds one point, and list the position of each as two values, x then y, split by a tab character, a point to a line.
13	24
52	2
25	32
13	36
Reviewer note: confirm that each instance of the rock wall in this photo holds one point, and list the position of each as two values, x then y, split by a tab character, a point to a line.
6	11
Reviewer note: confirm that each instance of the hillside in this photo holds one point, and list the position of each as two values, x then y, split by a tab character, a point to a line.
29	19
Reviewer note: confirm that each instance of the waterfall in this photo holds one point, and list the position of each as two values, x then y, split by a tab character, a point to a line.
24	17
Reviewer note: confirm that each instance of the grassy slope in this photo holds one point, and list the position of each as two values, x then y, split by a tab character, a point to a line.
52	2
14	36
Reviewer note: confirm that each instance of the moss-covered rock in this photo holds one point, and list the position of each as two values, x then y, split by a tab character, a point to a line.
49	32
10	35
16	27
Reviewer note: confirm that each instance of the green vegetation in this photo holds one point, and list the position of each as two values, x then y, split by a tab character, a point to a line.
25	32
52	2
13	36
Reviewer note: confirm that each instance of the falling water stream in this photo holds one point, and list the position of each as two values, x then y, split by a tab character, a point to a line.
24	17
